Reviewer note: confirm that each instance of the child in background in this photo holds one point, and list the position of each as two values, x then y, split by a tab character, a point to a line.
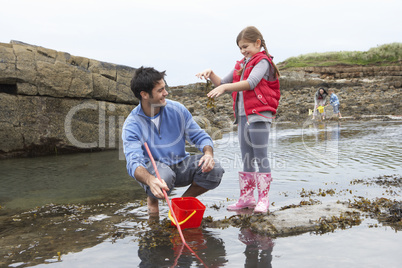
334	101
254	85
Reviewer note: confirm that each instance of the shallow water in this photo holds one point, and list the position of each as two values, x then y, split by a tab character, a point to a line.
308	156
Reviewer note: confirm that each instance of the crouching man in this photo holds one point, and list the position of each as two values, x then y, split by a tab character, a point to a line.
166	125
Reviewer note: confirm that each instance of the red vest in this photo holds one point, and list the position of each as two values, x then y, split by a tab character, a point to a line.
265	96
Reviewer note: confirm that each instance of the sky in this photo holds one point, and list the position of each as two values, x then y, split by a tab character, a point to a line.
185	37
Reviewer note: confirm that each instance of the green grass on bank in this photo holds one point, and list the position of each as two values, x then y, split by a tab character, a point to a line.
388	54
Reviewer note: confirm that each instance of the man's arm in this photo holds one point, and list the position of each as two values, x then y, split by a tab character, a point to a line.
132	144
207	160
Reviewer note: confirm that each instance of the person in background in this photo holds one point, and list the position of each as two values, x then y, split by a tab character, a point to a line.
165	126
254	85
334	101
319	100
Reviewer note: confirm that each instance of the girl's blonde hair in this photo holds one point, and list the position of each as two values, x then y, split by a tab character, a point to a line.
252	34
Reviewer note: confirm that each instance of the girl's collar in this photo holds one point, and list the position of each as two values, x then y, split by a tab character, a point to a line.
248	59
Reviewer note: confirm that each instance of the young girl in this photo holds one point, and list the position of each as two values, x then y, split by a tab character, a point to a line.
254	84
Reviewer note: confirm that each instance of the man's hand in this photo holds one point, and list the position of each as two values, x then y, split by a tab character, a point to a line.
156	186
207	162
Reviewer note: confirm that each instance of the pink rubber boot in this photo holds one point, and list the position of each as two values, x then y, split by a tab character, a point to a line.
247	186
263	184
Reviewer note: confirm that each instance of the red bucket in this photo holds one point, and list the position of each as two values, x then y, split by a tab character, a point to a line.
188	210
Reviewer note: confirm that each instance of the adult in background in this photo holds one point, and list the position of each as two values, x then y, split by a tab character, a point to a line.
320	100
166	125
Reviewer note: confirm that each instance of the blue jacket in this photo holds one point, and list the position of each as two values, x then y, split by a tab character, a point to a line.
166	145
333	99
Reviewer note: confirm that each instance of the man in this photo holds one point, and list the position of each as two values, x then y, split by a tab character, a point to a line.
166	126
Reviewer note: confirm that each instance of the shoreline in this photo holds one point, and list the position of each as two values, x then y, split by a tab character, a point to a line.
87	225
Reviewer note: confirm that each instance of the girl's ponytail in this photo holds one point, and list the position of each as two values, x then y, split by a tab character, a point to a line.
277	74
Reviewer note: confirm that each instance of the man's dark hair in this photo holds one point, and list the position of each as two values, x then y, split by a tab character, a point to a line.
145	79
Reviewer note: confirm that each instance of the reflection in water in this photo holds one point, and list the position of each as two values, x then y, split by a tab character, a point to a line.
162	247
27	183
258	249
325	145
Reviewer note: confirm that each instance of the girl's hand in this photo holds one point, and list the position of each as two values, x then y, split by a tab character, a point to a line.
216	92
204	74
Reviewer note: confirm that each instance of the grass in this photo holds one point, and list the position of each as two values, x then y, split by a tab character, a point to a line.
388	54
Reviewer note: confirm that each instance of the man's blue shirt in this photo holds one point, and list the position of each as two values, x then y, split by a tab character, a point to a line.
167	144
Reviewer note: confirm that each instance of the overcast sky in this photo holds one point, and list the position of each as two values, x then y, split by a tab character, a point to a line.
184	37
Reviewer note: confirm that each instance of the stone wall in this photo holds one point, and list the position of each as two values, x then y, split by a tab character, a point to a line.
52	102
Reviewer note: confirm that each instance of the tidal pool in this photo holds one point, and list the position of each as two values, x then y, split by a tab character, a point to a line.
83	210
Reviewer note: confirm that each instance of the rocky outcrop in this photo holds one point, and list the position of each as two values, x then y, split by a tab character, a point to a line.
362	91
52	102
388	76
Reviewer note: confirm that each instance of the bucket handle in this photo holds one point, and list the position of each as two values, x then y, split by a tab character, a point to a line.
183	221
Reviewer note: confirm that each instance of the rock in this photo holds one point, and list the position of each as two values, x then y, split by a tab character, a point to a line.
371	107
52	101
215	133
223	122
396	210
302	219
203	122
294	220
41	125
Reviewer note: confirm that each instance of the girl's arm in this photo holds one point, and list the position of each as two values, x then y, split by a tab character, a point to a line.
231	87
259	71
